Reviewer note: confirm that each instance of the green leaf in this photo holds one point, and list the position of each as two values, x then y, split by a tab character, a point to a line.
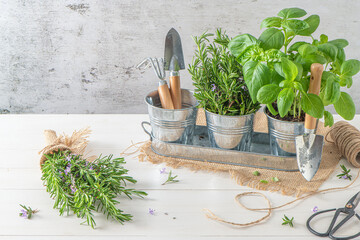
350	67
275	77
329	49
341	55
271	22
307	49
256	173
292	13
331	91
272	38
346	81
286	84
313	21
312	105
296	46
285	100
295	25
268	93
329	119
345	107
314	58
340	43
239	44
298	86
289	68
324	38
300	71
256	75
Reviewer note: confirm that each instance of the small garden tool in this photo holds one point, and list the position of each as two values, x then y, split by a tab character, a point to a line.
174	61
309	146
163	89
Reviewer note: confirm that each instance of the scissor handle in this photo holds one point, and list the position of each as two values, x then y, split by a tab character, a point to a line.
350	215
331	224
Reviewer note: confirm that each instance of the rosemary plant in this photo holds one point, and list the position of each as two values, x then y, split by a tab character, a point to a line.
84	187
217	76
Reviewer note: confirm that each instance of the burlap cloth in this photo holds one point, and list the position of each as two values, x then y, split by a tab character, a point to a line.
290	183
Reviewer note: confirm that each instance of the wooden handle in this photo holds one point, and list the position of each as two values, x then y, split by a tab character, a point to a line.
314	87
175	91
165	97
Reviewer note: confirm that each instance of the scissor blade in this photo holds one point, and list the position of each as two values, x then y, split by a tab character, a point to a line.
356	200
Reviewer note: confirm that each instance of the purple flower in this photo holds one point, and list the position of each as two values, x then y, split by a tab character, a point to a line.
23	213
315	209
163	170
151	211
91	168
68	158
67	169
73	189
213	87
345	177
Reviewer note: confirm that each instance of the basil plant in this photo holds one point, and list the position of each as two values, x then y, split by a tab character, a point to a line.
277	71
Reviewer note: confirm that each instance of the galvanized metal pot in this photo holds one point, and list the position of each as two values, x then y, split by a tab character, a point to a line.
172	125
230	132
282	136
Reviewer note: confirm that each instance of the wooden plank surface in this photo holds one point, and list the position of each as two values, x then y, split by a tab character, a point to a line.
178	207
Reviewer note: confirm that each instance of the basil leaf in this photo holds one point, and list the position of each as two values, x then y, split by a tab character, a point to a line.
295	25
271	22
329	119
275	77
307	49
345	107
312	105
341	55
298	86
331	91
346	81
286	84
289	68
296	46
239	44
315	58
256	75
329	49
292	13
340	43
324	38
272	38
268	93
350	67
285	100
313	21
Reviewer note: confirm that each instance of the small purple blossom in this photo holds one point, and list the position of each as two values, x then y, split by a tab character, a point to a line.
345	177
151	211
315	209
91	168
213	87
162	170
67	169
68	158
73	189
23	213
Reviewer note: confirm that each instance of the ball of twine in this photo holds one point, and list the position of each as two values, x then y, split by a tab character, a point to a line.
347	139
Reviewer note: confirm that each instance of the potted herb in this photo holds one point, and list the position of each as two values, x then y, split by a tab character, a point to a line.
277	73
222	92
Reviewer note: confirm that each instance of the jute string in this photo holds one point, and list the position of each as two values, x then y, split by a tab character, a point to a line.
347	139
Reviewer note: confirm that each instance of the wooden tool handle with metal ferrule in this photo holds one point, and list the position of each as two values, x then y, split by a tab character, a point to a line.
164	94
175	89
314	88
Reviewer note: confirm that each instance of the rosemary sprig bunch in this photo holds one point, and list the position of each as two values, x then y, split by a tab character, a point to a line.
345	174
84	187
217	76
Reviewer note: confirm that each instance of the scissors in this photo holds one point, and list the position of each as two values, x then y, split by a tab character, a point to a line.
349	209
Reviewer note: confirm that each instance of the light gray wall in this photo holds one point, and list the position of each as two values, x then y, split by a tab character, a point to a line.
64	56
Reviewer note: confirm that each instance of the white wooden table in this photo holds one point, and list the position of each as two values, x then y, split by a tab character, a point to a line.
178	207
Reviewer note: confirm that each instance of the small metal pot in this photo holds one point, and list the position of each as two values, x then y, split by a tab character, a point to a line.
172	125
282	136
230	132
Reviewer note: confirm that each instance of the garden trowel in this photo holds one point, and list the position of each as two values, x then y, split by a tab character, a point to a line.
309	146
174	61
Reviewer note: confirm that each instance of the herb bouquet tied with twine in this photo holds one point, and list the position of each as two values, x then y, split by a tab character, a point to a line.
84	185
217	76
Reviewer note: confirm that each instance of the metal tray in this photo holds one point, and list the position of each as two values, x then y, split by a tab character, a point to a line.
258	157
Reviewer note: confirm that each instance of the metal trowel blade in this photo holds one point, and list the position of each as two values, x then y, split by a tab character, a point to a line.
308	153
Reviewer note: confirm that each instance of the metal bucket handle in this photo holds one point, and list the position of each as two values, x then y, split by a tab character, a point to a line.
144	128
